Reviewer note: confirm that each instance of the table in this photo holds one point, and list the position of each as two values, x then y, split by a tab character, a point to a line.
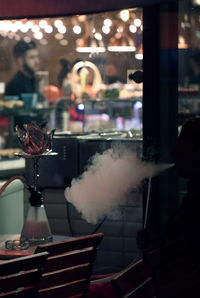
6	254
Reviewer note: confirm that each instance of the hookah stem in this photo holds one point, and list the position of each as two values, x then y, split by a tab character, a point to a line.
147	203
35	181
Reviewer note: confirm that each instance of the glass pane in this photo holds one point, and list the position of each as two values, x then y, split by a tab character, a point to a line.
84	78
189	60
82	74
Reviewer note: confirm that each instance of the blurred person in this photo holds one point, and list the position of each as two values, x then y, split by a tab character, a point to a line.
112	74
27	58
64	78
185	222
194	71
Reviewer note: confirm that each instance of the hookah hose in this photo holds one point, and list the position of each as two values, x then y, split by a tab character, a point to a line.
12	179
97	227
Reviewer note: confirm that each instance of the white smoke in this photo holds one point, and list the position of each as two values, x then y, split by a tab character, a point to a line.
107	181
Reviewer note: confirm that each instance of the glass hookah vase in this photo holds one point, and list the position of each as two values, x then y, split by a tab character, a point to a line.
36	227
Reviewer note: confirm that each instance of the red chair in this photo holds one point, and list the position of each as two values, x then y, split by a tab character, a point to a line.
19	278
134	281
69	266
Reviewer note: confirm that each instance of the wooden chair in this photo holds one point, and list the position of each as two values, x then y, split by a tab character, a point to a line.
69	266
20	277
134	281
176	272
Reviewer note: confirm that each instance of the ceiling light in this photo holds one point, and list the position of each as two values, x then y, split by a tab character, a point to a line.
62	29
58	23
48	29
35	28
121	43
38	35
132	28
90	49
107	22
124	15
98	36
77	29
182	43
139	53
24	28
137	22
43	24
89	44
106	29
196	2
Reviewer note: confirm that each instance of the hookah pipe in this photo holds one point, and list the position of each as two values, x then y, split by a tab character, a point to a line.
35	198
12	179
145	232
147	204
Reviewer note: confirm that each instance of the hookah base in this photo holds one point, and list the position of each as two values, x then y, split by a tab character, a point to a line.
34	240
36	232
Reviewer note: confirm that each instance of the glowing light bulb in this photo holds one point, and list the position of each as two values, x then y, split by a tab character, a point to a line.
106	29
48	29
62	29
43	24
29	24
133	28
58	23
38	35
124	15
35	28
24	28
137	22
98	36
77	29
107	22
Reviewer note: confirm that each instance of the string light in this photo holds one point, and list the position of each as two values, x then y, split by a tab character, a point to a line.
48	29
124	15
43	24
108	22
62	29
122	24
137	22
132	28
77	29
106	29
58	23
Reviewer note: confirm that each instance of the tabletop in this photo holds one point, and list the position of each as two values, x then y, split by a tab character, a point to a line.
6	254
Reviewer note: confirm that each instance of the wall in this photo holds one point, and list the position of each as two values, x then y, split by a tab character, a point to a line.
118	247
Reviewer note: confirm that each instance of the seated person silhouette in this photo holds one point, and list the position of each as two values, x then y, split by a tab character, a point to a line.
184	223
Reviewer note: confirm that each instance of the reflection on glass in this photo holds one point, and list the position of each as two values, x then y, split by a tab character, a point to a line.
189	60
78	71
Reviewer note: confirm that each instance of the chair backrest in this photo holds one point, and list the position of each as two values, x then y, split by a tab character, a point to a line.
69	266
135	281
20	277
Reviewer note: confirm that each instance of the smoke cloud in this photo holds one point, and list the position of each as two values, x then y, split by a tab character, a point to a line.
107	181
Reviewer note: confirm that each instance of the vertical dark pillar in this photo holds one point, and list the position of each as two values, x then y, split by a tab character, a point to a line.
160	101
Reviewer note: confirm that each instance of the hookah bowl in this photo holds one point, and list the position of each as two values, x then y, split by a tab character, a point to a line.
36	227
